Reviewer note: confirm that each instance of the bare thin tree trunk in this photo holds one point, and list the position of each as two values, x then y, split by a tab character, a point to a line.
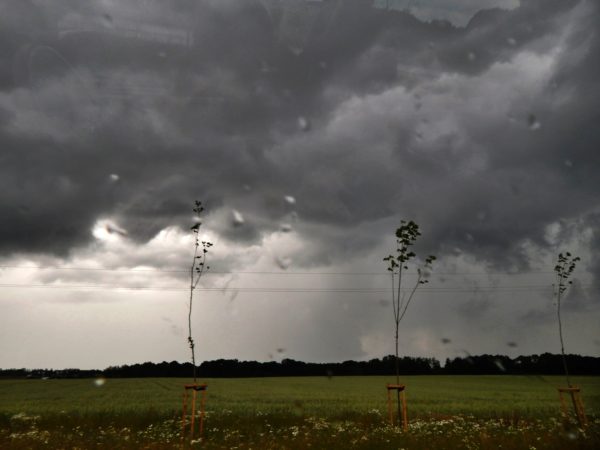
560	334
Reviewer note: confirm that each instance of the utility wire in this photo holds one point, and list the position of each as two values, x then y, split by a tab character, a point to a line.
524	288
382	273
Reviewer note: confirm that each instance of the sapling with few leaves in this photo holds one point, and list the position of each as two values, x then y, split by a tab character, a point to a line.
406	236
197	269
563	270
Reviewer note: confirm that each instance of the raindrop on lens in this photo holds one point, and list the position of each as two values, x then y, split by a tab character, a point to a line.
289	200
237	218
283	263
285	227
114	177
533	122
568	163
511	41
499	365
99	382
471	56
303	123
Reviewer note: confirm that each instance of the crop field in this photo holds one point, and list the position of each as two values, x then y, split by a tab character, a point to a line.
445	412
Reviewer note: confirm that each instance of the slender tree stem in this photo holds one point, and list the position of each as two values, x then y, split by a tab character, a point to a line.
560	333
192	286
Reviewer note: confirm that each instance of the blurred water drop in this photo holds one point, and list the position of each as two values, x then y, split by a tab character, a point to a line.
289	200
533	122
511	41
445	341
99	382
111	228
303	123
511	344
283	263
162	54
294	216
237	218
471	56
499	365
285	227
469	237
481	215
196	221
114	177
281	350
107	20
384	303
246	188
296	51
568	163
299	405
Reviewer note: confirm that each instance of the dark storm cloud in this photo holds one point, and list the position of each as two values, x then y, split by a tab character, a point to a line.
361	114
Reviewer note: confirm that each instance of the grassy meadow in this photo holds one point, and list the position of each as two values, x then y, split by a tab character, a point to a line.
309	412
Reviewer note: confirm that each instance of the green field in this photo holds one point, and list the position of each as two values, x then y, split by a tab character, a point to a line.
481	411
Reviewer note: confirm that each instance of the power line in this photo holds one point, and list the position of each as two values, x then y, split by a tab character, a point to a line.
352	290
213	272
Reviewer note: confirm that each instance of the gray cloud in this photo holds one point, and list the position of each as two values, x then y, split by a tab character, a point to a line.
484	134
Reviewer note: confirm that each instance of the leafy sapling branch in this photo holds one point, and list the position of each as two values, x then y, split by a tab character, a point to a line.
563	270
406	236
197	269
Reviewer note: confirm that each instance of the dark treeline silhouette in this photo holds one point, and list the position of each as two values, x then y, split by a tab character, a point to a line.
545	364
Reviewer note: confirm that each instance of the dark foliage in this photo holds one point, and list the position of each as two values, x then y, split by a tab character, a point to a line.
544	364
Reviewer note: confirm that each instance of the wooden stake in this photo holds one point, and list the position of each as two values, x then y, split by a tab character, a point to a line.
401	399
575	394
194	388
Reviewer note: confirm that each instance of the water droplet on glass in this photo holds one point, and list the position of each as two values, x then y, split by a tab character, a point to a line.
162	54
285	227
568	163
471	56
511	41
246	188
296	51
445	341
196	221
294	216
237	218
111	228
469	237
289	200
283	263
114	177
481	215
303	123
533	122
281	350
99	382
511	344
499	365
384	303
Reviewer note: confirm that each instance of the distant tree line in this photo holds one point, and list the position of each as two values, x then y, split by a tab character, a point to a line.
544	364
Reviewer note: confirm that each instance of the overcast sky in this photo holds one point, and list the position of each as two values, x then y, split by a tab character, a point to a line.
308	130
